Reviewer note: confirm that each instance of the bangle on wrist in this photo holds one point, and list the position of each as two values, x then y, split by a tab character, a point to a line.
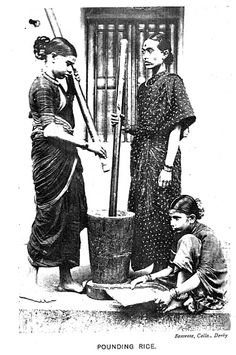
168	168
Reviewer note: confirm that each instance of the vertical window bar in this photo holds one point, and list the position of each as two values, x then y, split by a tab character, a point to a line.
121	35
116	48
148	72
172	41
135	72
141	70
105	51
127	87
101	78
95	61
129	78
179	38
90	91
111	74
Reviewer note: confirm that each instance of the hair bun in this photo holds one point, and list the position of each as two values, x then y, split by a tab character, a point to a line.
40	45
201	210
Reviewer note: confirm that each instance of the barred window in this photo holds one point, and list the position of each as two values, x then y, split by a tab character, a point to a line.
105	27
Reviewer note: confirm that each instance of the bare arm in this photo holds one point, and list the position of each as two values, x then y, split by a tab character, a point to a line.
151	277
189	285
57	131
165	297
162	273
173	144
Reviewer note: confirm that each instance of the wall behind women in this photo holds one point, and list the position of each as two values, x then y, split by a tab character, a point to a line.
206	67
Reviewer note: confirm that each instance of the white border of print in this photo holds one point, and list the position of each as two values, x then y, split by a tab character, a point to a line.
58	343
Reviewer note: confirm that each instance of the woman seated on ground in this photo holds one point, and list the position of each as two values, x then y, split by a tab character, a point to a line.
197	268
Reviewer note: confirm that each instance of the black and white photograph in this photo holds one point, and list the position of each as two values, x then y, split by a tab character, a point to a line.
119	178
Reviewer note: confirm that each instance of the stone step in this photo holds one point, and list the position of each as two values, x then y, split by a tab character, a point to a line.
88	315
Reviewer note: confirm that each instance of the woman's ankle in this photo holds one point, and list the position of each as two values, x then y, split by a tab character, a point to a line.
65	275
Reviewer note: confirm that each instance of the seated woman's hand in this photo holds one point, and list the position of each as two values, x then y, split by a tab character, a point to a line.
189	304
163	299
98	149
138	280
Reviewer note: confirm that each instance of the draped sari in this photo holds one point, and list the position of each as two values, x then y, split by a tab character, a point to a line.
162	105
61	207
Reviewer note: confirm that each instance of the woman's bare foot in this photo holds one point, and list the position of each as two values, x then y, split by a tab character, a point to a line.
189	304
70	287
66	281
30	290
173	305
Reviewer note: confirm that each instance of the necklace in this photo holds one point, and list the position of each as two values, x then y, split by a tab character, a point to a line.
50	78
150	81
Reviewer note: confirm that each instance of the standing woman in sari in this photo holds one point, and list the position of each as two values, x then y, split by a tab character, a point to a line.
164	113
61	208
